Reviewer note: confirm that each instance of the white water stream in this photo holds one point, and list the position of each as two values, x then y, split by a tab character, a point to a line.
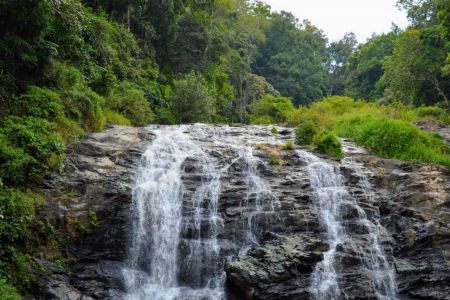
331	196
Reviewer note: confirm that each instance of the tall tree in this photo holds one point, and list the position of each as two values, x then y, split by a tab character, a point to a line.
293	58
338	55
413	73
421	13
364	69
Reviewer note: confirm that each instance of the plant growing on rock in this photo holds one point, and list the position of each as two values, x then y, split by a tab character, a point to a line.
305	132
329	144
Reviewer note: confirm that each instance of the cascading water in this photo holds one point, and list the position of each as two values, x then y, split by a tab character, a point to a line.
330	196
175	253
154	262
260	204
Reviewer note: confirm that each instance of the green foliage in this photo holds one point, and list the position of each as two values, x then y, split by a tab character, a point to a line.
386	130
130	101
115	118
191	99
274	130
273	161
16	215
8	292
38	102
289	146
364	69
306	132
262	120
166	116
434	112
329	144
29	147
293	58
16	212
394	139
413	73
277	108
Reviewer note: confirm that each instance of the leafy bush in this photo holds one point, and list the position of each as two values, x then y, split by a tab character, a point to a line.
262	120
276	108
16	212
191	99
329	144
38	102
8	292
85	106
29	146
434	112
288	146
274	130
165	116
130	101
115	118
305	132
16	166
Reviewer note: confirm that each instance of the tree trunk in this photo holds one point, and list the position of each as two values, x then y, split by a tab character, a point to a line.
128	17
436	85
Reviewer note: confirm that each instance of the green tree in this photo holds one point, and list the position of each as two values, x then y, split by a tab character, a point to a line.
338	56
365	69
413	73
293	59
191	99
421	13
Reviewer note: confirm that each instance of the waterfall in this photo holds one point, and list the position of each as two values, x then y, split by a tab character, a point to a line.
330	197
260	204
154	261
175	251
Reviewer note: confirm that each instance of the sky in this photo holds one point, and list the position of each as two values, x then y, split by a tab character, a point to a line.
336	17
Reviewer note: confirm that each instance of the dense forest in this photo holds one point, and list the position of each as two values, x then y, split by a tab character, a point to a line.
69	67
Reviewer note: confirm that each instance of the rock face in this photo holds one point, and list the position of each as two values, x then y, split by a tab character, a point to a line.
89	205
272	236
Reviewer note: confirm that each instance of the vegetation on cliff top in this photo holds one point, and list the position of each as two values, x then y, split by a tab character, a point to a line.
71	67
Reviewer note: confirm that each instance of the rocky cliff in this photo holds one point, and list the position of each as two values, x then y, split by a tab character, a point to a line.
271	236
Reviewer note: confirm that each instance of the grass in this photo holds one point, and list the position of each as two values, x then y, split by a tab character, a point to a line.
388	130
115	118
289	146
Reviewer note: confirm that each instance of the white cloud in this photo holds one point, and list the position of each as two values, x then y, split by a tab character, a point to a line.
336	17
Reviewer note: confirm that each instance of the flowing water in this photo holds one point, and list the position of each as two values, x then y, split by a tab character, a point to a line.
331	196
178	250
169	220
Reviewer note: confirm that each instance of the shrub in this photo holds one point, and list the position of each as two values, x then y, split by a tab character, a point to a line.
434	113
274	130
262	120
29	146
38	102
16	212
305	132
276	108
68	129
191	99
329	144
130	101
288	146
8	292
165	116
115	118
85	106
273	161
